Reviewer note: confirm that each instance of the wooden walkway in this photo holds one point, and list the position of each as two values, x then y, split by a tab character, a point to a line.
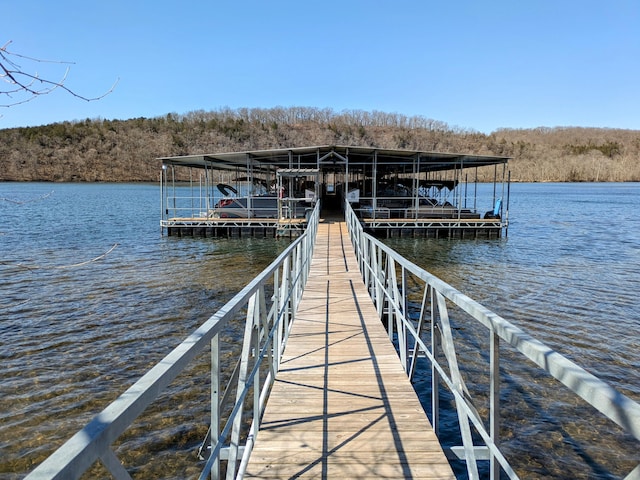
341	406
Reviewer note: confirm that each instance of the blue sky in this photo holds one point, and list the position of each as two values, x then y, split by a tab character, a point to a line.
472	64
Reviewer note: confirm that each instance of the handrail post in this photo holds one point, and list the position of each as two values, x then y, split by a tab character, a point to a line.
298	275
243	378
215	402
278	347
494	399
262	323
379	278
405	313
284	304
419	329
435	375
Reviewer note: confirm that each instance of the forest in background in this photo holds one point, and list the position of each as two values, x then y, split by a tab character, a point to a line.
99	150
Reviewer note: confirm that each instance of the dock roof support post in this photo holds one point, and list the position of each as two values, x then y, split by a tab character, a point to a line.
346	173
163	192
475	191
173	185
290	180
459	202
495	179
374	184
249	202
416	182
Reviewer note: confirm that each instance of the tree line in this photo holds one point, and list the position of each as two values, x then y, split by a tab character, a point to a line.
127	150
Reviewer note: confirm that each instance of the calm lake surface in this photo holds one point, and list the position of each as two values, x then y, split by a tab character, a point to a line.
92	295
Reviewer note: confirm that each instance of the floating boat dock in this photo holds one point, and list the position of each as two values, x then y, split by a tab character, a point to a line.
395	193
341	405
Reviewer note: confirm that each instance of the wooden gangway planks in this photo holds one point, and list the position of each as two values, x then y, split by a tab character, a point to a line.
342	406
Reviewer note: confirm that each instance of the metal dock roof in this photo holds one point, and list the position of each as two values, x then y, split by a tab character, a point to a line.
328	154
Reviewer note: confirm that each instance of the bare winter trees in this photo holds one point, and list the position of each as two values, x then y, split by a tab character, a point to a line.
123	150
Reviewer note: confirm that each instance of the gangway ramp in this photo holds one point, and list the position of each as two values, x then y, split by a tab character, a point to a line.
342	406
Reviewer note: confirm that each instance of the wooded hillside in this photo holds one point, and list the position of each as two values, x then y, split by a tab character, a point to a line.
124	150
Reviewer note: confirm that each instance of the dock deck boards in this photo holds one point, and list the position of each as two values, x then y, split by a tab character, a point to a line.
341	405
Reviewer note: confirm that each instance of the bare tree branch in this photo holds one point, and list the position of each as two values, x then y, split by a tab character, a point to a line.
20	86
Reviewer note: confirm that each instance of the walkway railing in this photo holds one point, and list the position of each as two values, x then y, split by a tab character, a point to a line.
391	279
268	319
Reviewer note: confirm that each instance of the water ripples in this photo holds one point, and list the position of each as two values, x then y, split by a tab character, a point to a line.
73	339
88	307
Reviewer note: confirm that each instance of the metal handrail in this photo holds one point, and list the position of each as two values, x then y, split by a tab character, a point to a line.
386	274
266	332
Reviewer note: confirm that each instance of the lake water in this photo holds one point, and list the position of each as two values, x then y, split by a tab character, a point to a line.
93	296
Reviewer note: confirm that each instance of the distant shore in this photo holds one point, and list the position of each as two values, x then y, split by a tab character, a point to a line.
127	150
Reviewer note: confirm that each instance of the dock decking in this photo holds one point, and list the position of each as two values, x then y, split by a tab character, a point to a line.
341	405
